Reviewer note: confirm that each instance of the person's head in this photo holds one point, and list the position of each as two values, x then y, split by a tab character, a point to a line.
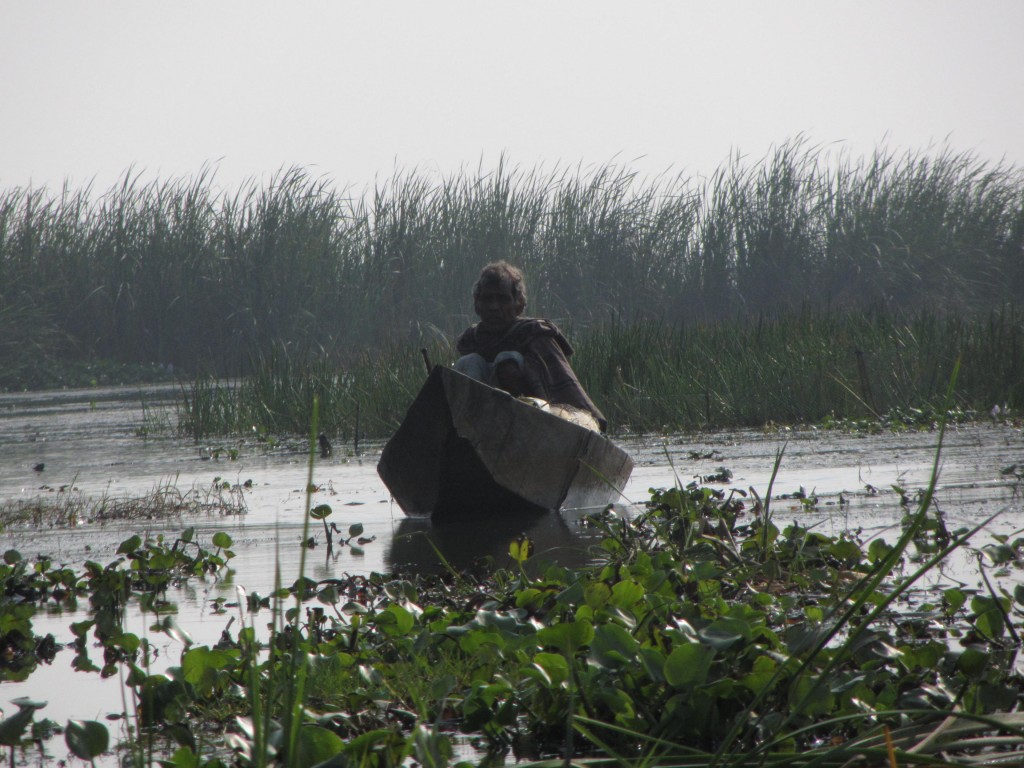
499	294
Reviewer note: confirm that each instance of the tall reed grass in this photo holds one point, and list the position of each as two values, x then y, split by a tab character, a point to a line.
804	367
182	272
359	396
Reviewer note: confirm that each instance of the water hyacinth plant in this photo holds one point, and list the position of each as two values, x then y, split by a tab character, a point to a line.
703	633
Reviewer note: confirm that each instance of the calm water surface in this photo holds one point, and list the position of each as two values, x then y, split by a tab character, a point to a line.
90	441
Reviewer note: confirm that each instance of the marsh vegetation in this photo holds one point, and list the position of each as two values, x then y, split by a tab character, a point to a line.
809	368
66	506
185	274
796	288
704	631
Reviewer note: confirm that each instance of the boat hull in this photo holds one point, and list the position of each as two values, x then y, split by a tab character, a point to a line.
468	448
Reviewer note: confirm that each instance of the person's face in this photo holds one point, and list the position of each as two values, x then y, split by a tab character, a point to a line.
496	306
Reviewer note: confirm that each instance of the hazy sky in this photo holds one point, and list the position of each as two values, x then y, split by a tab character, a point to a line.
352	90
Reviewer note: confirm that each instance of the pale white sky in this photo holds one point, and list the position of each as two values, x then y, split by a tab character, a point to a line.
352	90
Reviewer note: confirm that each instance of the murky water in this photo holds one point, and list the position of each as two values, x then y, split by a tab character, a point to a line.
90	440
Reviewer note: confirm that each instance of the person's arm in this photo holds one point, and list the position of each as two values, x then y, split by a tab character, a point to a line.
550	376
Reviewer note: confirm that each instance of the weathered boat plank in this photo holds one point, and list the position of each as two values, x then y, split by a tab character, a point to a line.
465	447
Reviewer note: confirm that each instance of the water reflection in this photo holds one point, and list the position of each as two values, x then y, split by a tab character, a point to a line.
424	546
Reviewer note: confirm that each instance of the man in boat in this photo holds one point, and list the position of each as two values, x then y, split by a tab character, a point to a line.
525	356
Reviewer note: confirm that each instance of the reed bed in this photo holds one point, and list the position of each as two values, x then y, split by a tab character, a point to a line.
807	367
185	273
359	397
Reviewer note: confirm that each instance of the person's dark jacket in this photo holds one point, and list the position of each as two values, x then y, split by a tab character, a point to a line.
546	354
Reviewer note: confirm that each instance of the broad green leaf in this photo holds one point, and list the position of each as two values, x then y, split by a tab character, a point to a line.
1000	553
86	739
811	697
397	617
617	701
477	638
688	665
554	666
706	570
162	561
954	599
129	545
12	729
321	511
567	635
988	617
723	633
597	594
197	662
612	646
626	593
846	551
760	675
183	757
878	550
317	744
531	598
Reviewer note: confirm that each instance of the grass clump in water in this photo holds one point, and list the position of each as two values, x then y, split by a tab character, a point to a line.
67	507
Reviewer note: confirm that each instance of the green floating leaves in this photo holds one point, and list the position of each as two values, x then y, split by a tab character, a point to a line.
87	739
553	669
129	545
567	636
321	511
613	646
317	744
688	665
12	729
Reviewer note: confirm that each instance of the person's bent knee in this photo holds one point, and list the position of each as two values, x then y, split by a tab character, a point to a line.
474	366
509	373
508	354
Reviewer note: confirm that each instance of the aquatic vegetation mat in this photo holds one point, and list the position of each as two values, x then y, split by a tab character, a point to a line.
67	506
706	633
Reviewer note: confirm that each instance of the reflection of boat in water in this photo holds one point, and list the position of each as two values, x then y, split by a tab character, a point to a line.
465	448
421	545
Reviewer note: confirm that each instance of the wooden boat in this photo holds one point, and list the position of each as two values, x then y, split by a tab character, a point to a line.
467	448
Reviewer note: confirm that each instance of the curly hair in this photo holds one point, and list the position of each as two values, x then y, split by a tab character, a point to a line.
502	272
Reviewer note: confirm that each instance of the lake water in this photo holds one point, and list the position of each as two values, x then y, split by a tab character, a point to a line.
90	441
